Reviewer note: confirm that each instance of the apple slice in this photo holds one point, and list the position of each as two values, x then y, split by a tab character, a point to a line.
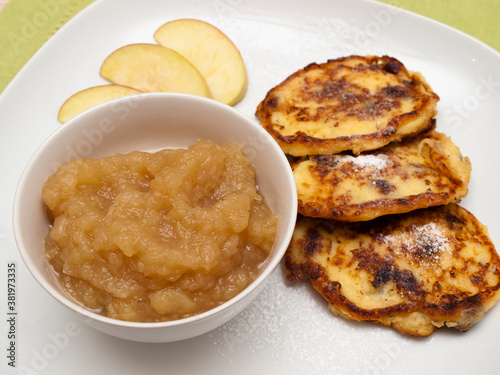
151	68
90	97
213	54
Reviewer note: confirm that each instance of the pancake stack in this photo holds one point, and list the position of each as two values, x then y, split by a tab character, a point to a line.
380	233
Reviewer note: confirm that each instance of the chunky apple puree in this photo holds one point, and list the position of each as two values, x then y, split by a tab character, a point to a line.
157	236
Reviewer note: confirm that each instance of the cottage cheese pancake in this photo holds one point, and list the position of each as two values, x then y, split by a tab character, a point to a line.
354	103
422	171
430	268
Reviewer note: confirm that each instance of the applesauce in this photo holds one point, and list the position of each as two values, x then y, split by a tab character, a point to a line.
159	236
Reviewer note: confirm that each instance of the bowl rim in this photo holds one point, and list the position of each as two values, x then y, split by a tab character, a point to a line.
62	297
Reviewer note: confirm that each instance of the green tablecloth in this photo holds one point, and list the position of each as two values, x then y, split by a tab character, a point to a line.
25	25
479	18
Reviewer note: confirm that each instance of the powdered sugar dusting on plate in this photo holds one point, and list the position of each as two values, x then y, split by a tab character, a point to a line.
285	318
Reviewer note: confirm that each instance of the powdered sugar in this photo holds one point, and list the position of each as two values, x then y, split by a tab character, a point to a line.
379	161
426	242
429	240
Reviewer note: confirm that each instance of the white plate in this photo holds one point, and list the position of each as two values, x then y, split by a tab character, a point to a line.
288	329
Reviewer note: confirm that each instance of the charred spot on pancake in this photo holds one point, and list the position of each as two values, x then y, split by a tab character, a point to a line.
404	280
326	161
384	270
312	241
393	67
476	279
273	103
384	186
395	91
454	221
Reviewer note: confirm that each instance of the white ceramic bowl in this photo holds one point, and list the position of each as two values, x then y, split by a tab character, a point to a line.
150	122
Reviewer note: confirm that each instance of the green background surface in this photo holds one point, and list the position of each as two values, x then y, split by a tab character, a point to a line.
25	25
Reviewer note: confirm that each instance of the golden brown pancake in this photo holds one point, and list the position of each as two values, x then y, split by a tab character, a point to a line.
423	171
430	268
355	103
